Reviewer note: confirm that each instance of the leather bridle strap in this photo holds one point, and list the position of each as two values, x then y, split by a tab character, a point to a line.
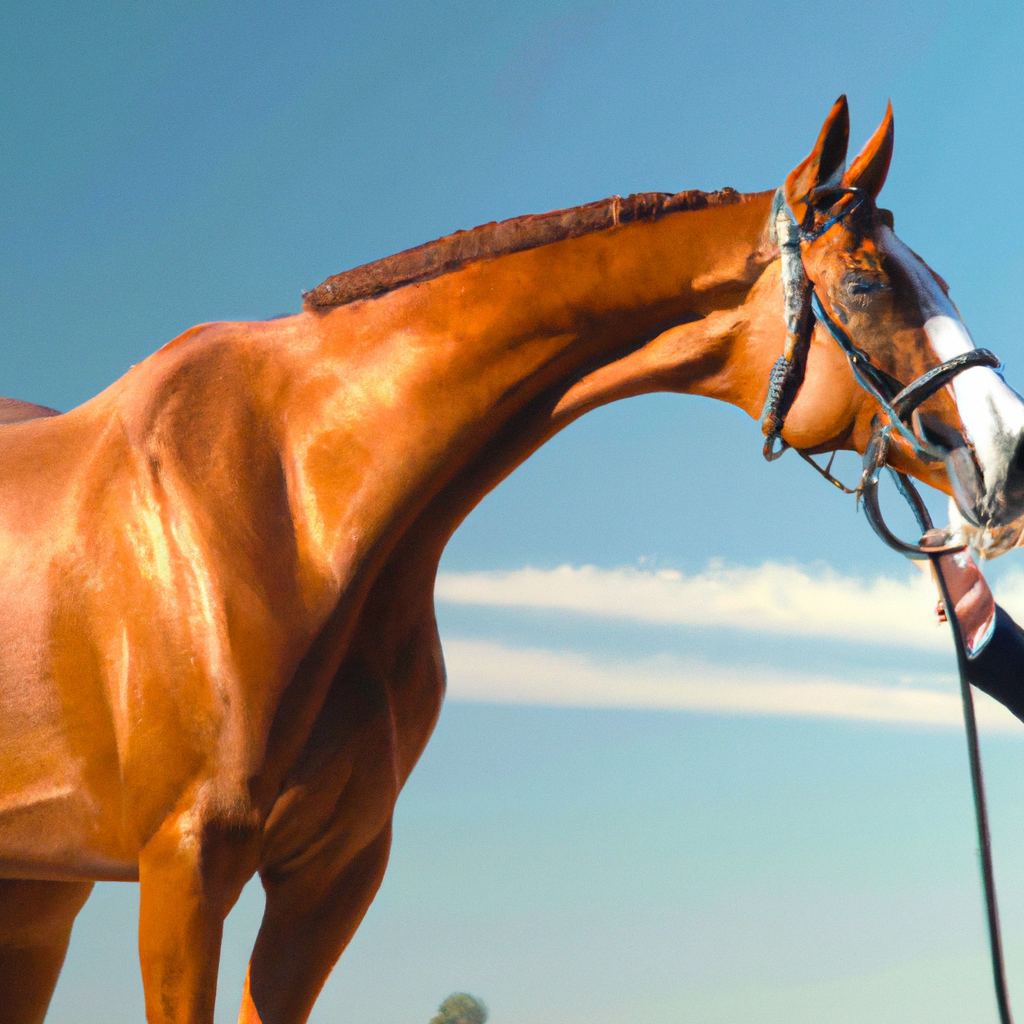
928	383
897	401
787	375
980	804
874	459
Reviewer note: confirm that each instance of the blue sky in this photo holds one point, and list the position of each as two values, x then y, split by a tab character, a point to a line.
716	774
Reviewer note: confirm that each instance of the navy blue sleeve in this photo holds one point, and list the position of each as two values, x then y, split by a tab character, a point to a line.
999	668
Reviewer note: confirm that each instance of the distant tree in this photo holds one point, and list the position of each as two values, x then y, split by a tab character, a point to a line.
461	1008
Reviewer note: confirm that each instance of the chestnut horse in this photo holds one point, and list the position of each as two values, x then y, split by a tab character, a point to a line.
218	652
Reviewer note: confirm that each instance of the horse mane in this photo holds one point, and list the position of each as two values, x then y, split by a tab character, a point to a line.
453	252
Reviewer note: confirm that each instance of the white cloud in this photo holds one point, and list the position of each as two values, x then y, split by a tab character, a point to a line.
481	671
772	598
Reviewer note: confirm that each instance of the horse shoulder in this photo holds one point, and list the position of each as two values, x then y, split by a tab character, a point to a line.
370	729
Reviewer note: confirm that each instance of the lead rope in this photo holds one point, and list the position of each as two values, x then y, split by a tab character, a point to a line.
874	459
974	757
980	806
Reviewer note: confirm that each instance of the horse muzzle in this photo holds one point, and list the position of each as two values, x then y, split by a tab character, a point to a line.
983	505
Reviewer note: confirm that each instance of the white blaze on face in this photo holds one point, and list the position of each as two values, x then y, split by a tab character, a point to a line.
992	413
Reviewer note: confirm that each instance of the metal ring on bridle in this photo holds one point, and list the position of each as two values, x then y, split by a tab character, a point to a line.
874	463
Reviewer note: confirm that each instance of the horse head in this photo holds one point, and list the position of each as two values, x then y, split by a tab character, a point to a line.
880	300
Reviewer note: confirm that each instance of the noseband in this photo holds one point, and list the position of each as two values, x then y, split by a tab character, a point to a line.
802	307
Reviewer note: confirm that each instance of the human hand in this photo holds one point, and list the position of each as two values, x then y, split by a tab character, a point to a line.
974	605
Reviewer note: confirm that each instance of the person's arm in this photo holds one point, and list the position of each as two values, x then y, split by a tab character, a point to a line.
998	668
994	642
972	599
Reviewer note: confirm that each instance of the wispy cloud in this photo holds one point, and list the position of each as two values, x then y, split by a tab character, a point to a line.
481	671
785	599
771	598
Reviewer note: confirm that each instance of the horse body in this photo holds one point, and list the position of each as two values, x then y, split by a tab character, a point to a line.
201	538
218	652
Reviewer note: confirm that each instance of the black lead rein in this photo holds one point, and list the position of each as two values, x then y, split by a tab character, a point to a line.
988	877
898	404
874	460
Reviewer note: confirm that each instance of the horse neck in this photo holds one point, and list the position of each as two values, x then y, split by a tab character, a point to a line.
443	387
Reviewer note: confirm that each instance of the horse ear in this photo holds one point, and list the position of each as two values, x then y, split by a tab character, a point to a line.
868	171
827	157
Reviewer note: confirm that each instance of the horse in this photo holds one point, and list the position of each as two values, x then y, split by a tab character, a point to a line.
218	651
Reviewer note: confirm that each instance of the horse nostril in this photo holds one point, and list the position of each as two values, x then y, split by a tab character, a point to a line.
933	431
1013	489
1017	462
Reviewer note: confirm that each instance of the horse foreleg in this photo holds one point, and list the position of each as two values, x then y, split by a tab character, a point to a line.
190	876
310	916
35	927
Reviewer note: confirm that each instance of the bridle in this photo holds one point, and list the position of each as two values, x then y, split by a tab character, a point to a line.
802	308
897	403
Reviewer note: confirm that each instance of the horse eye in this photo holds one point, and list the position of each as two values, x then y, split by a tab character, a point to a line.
859	283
